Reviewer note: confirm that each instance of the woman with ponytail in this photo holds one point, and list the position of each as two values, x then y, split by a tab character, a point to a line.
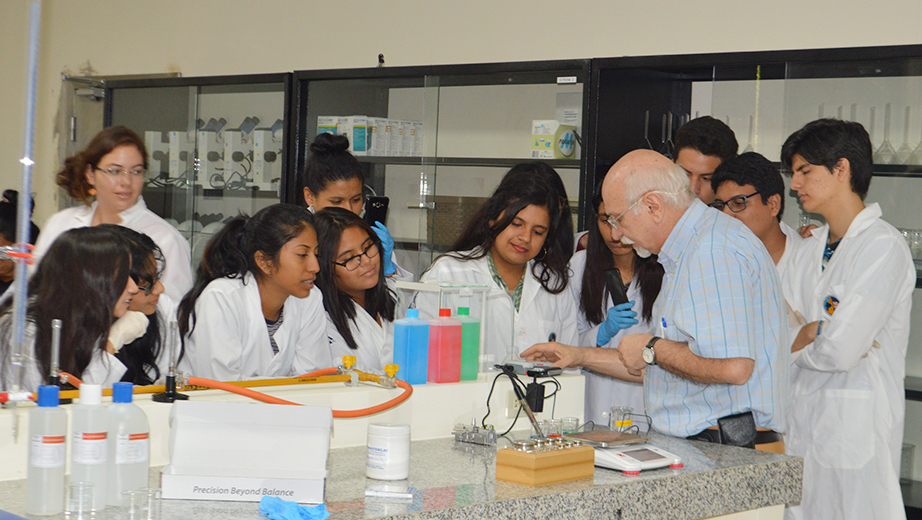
107	177
252	311
333	177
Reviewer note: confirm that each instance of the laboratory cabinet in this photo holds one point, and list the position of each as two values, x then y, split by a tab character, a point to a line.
216	145
639	102
436	140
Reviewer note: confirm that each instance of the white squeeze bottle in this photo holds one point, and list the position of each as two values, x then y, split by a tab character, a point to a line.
88	447
128	464
47	454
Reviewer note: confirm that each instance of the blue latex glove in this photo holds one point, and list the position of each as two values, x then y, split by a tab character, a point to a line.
277	509
387	256
619	318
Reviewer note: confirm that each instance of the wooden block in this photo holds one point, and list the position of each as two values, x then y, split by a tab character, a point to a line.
548	467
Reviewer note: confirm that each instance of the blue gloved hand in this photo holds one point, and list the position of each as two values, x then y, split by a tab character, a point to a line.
619	318
387	256
278	509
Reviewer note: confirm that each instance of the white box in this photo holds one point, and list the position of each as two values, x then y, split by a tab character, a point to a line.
371	136
355	129
417	130
243	451
406	138
394	137
552	140
326	124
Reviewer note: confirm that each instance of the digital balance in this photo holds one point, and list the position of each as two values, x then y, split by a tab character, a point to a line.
632	459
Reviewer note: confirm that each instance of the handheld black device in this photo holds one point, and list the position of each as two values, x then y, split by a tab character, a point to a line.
615	286
375	210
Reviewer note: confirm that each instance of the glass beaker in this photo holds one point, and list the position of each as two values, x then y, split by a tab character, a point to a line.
621	418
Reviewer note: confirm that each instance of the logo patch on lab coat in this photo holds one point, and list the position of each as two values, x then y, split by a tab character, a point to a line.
830	305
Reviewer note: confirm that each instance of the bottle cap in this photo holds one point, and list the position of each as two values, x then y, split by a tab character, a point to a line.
388	429
444	313
90	394
464	311
121	392
48	396
412	313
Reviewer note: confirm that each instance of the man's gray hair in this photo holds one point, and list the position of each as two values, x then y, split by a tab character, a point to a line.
670	181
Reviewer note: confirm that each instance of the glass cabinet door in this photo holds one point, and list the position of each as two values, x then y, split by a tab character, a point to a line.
215	147
460	129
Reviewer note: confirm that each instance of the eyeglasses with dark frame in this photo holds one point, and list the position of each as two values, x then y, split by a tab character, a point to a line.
149	288
114	172
736	204
353	262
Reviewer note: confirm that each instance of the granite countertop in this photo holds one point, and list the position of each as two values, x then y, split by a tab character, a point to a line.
456	480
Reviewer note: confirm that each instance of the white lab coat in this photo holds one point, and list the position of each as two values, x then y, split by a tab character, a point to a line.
375	342
506	332
104	368
793	239
177	273
847	397
230	340
602	391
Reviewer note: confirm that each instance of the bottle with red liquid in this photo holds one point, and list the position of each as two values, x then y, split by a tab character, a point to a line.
444	348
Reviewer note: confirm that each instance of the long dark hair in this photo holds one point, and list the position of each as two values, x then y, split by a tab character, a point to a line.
231	253
648	274
73	176
79	281
526	184
380	301
328	162
147	263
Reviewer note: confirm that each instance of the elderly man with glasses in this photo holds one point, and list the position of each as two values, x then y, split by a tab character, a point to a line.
716	366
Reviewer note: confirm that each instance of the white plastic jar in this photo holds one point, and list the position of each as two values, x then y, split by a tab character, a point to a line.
388	451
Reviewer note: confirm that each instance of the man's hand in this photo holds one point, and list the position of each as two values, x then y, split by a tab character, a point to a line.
630	350
806	231
563	356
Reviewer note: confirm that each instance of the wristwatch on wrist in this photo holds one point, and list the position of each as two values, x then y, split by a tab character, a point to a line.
649	355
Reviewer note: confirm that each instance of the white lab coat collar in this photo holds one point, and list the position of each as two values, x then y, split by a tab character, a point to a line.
85	215
862	221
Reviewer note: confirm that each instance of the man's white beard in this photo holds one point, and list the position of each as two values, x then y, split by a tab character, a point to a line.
641	252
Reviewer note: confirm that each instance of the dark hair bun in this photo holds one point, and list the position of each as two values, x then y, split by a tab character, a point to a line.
11	197
328	144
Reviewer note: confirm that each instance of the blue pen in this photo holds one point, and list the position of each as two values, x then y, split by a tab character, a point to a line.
664	322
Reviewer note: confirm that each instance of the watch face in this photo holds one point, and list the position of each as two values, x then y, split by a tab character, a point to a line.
648	355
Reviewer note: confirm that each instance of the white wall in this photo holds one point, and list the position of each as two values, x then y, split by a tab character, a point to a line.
210	37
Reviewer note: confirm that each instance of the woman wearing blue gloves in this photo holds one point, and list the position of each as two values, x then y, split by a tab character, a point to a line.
642	278
334	178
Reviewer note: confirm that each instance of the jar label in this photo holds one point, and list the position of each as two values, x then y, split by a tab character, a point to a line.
377	458
131	448
88	447
48	451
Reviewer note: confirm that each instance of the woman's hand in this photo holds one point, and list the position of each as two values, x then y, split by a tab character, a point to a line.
619	318
126	329
387	243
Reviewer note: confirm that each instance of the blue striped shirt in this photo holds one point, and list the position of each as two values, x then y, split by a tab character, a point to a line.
722	296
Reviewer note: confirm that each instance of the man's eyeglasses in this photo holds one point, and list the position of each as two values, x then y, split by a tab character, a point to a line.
613	221
353	262
736	204
113	172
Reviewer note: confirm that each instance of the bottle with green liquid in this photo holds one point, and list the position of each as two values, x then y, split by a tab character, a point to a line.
470	344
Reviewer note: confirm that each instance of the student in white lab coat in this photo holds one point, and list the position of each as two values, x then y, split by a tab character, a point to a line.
358	302
253	311
517	246
333	177
603	324
147	358
111	170
84	281
852	280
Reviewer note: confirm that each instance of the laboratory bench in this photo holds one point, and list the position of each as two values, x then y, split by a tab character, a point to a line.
456	480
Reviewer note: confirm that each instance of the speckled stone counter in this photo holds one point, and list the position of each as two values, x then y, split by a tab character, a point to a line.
457	481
